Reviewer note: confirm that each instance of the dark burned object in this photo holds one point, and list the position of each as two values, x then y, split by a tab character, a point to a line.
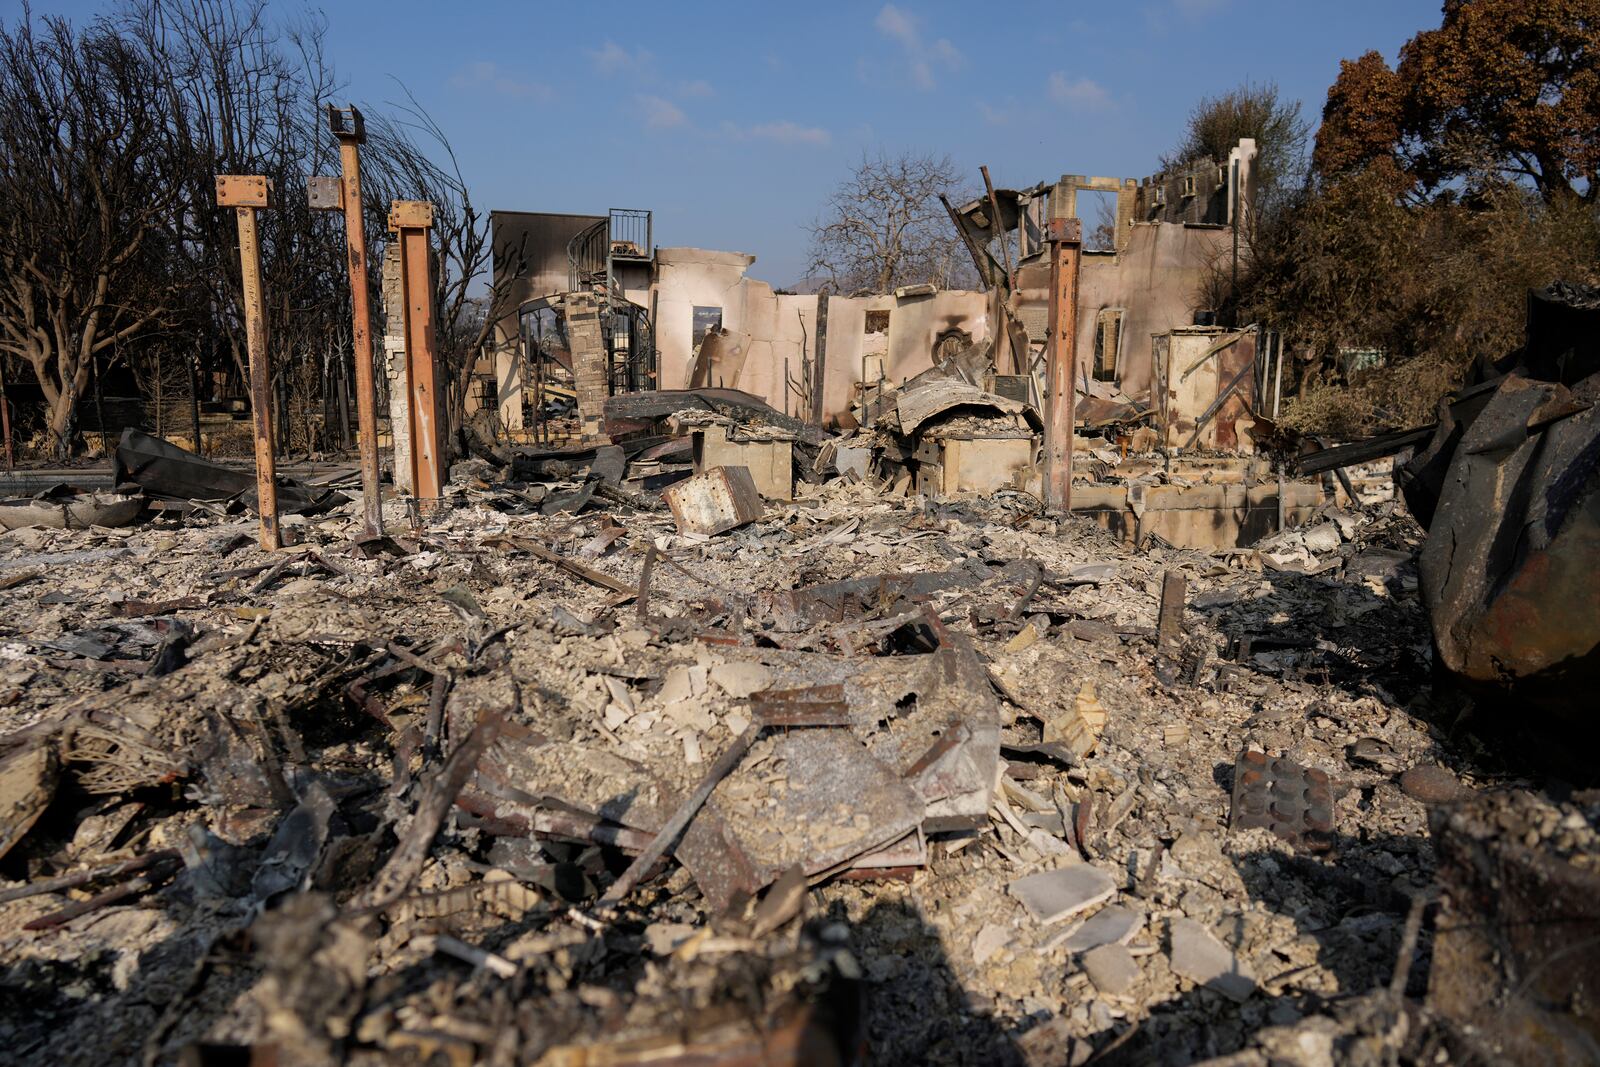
163	469
633	412
1277	794
1509	489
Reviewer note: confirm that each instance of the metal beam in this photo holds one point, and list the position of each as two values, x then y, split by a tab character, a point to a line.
412	219
245	194
348	127
1065	237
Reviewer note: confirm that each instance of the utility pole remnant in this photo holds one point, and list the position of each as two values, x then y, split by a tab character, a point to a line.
245	194
1065	237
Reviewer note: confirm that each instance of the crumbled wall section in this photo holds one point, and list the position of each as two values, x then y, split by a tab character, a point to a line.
394	367
782	330
588	360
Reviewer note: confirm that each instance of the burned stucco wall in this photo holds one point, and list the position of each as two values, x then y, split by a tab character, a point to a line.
1203	191
1152	286
1193	366
1157	280
1171	230
697	287
898	348
876	336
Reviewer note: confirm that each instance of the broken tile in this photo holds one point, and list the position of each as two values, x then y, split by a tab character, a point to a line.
1112	924
1201	958
1051	896
1111	968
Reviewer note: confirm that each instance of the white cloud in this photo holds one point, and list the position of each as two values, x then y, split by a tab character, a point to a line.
612	58
923	57
660	114
786	132
698	89
484	75
898	24
1084	94
781	131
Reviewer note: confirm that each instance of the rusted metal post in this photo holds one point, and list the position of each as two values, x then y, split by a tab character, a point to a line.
245	194
335	194
1066	245
1169	622
411	219
350	137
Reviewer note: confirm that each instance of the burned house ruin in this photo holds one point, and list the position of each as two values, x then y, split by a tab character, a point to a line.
757	677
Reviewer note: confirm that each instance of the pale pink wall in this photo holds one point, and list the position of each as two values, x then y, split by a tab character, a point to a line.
1157	279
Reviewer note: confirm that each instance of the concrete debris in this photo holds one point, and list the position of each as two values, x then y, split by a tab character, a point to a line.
65	507
624	734
1111	925
990	940
1112	969
1202	959
741	679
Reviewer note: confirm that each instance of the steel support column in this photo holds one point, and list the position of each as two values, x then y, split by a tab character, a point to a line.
348	127
412	219
245	194
1066	245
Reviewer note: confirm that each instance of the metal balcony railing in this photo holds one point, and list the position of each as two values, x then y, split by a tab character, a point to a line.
631	233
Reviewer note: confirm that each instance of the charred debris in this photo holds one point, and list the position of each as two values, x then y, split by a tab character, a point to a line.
989	729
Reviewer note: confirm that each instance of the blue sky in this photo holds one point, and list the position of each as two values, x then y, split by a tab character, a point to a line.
732	121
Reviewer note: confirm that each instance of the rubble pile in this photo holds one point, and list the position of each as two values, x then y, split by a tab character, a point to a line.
556	780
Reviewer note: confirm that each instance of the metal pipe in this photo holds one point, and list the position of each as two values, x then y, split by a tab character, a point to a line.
1066	246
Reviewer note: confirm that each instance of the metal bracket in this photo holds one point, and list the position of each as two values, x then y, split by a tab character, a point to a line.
347	124
244	190
410	214
324	193
1066	231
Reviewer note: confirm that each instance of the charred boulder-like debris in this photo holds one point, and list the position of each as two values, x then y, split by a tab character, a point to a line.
1509	490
